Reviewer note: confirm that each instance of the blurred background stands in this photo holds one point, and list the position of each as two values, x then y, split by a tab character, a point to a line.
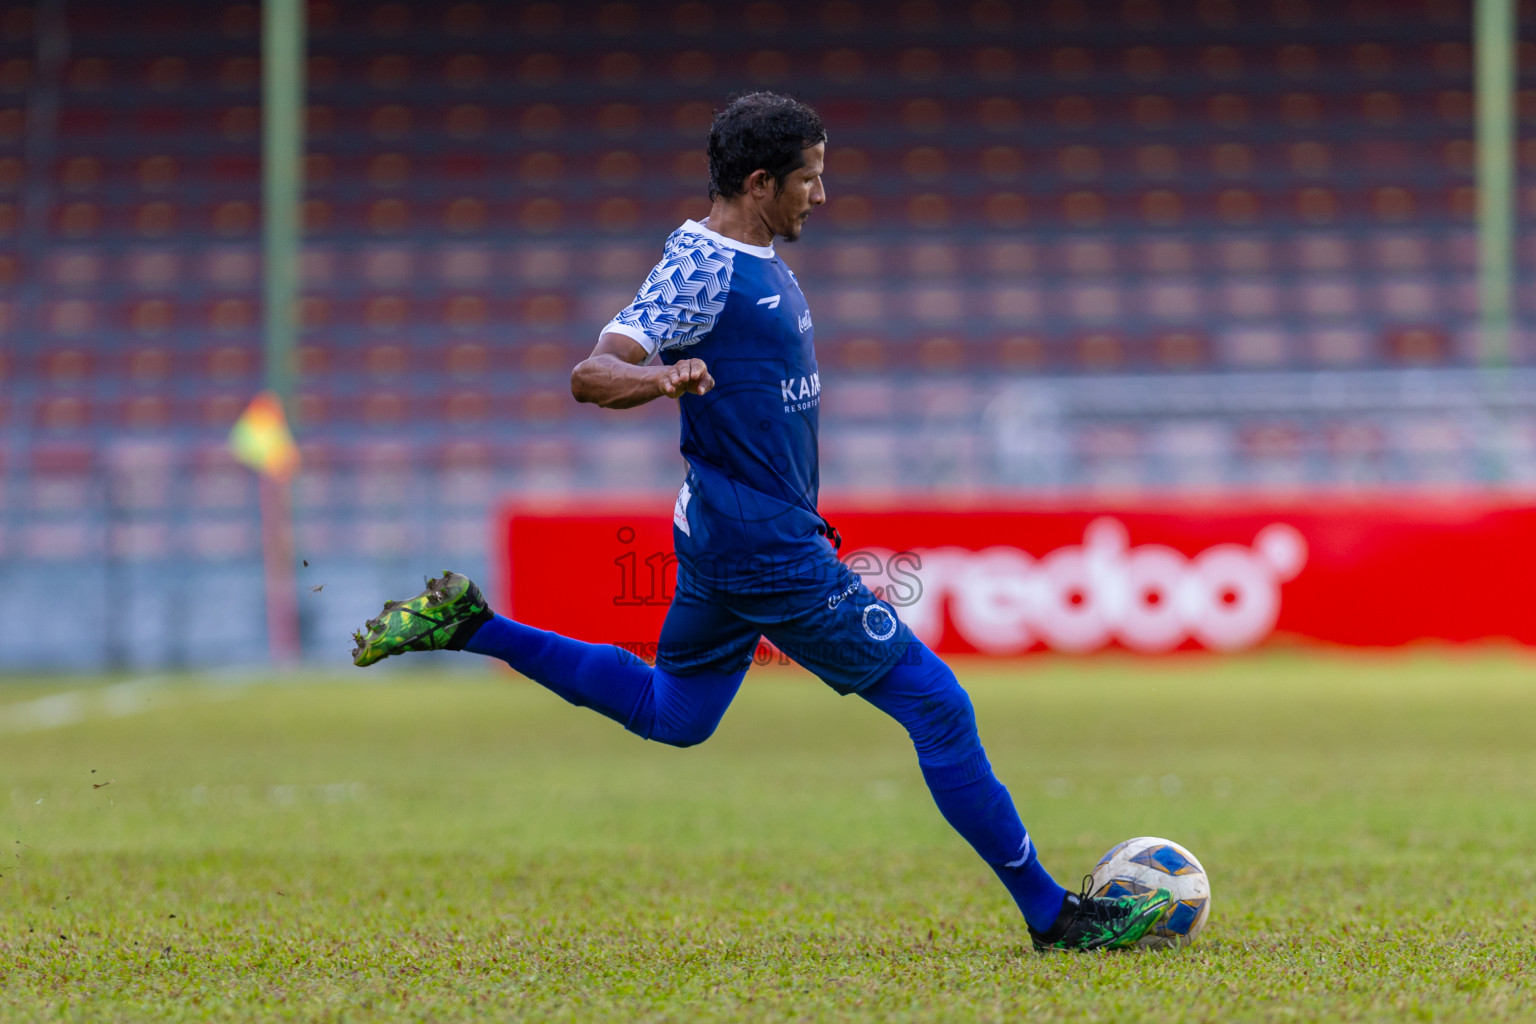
1110	246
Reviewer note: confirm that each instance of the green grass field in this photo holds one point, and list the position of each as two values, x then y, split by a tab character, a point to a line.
469	848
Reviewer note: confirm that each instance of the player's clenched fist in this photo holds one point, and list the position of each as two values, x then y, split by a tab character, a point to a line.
685	376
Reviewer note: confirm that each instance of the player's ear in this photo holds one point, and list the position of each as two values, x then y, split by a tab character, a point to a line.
759	184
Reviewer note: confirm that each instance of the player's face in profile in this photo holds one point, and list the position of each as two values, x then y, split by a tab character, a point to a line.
801	193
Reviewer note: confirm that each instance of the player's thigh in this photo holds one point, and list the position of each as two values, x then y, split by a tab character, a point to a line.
703	635
847	636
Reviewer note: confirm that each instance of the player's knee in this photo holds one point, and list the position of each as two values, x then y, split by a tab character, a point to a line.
951	718
684	734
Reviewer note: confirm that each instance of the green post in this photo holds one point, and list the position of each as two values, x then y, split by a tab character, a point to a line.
282	52
1494	52
282	154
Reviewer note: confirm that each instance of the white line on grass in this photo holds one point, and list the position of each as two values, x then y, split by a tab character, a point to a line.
131	697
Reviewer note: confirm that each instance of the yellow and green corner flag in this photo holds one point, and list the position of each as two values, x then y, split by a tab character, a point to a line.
261	438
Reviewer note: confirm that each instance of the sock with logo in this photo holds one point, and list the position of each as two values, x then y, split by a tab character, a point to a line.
926	698
650	702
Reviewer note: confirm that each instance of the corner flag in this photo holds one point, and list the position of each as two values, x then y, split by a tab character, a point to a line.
261	439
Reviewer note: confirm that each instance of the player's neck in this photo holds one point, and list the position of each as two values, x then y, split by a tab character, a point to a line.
739	221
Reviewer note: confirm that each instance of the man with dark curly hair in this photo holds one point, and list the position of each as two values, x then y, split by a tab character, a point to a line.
721	327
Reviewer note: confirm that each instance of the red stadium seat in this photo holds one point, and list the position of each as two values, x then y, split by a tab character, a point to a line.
1074	113
145	412
76	174
1084	208
387	313
1222	63
929	211
1153	112
544	405
859	354
75	268
923	116
465	407
546	310
74	221
1228	111
233	316
230	364
1021	353
220	411
1238	207
466	313
390	72
1316	206
147	366
151	318
71	318
1339	345
942	354
466	122
843	66
1080	163
468	360
1382	109
541	70
1417	346
234	218
156	219
466	71
1401	252
389	171
1310	159
1100	351
1372	60
1161	208
66	367
243	73
1181	350
1146	63
391	123
1000	115
387	361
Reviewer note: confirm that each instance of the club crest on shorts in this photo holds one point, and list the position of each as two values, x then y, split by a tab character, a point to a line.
879	623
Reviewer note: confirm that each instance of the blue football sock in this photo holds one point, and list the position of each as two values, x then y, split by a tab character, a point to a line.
650	702
927	699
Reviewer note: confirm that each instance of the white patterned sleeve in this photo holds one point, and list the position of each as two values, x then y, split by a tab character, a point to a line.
682	297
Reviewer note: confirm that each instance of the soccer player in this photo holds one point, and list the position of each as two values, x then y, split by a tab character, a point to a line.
720	326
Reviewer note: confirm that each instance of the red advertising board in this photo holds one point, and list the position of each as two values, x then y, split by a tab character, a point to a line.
1007	579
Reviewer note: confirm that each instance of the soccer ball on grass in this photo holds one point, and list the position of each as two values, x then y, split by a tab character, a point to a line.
1148	862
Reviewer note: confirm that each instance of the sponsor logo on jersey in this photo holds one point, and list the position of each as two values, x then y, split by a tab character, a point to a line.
772	302
805	320
800	393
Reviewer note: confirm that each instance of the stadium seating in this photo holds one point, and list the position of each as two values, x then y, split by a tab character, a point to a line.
1083	190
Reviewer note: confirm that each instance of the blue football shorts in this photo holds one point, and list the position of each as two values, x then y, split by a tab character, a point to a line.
821	615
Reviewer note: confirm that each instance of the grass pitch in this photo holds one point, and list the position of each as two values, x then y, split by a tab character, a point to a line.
469	848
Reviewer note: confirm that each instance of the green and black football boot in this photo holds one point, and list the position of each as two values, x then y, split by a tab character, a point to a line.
1104	922
440	618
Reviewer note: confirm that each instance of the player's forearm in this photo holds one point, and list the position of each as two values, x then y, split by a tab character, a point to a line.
612	383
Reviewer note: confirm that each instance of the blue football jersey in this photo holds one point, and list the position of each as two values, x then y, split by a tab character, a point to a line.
749	502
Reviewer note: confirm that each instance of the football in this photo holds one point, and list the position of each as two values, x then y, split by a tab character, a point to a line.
1148	862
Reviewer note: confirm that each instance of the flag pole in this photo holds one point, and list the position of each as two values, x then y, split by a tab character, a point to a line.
1494	49
282	51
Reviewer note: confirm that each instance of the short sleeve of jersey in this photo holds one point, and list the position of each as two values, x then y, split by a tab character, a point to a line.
681	298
